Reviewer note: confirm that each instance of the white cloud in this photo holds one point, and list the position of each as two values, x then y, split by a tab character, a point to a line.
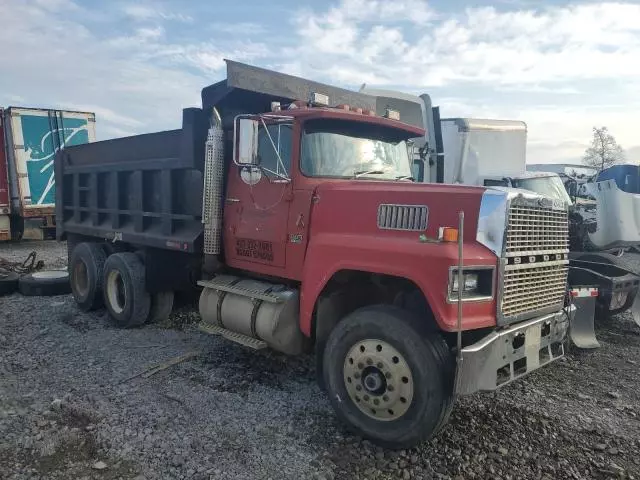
135	82
482	44
139	78
147	12
541	51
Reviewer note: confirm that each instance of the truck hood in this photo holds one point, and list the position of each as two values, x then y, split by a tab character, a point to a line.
356	205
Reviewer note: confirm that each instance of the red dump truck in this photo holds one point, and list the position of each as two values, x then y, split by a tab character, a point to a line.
290	204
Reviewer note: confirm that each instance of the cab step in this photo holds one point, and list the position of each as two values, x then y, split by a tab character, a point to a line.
245	340
222	285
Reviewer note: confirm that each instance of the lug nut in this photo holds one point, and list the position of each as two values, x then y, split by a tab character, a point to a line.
379	365
366	398
369	361
360	365
358	387
385	398
387	375
356	375
390	388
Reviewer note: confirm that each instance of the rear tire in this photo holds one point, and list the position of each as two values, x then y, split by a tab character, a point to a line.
86	271
45	283
124	290
8	283
161	307
387	379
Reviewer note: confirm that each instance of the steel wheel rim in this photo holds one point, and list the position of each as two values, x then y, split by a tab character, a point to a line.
116	292
378	380
81	278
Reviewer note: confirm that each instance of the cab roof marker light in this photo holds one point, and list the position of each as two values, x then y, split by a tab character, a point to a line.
369	112
276	107
357	110
392	114
297	104
319	99
343	106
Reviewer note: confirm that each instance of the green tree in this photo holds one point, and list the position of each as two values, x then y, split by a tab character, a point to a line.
604	150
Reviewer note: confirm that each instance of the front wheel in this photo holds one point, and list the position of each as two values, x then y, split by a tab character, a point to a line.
387	378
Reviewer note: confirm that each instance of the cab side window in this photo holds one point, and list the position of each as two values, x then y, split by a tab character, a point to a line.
281	136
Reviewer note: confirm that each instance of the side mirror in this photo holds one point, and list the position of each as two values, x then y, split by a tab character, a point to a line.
246	133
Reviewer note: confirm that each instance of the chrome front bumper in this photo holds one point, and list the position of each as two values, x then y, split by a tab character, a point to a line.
508	354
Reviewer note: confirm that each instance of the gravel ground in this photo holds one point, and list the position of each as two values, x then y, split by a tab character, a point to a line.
73	404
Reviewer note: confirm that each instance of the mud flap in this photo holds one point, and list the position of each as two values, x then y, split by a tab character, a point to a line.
635	309
581	329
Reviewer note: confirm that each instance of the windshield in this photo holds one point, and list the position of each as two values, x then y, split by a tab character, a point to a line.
551	187
338	148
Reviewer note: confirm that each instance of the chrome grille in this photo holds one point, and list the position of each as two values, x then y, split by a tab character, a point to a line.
403	217
532	288
536	231
534	276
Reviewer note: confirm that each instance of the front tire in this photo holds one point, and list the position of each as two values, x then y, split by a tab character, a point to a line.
387	378
125	295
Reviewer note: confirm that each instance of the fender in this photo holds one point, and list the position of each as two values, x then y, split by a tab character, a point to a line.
425	264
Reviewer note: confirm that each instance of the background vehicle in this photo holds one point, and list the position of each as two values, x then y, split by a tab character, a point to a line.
493	153
32	138
301	226
5	204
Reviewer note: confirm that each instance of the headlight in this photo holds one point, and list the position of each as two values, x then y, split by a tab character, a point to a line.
470	283
478	284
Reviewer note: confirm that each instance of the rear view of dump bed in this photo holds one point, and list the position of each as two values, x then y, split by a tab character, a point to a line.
145	188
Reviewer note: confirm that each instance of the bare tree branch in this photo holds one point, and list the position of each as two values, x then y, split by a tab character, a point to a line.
604	150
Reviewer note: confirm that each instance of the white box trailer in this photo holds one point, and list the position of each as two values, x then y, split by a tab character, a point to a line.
33	136
477	150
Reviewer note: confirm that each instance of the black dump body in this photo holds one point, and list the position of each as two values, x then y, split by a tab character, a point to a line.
146	190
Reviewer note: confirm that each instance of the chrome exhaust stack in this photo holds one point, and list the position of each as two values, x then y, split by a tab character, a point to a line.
212	202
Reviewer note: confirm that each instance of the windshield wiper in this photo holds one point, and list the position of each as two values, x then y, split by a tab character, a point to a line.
368	172
405	177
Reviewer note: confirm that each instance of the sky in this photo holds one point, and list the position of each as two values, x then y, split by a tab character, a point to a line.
563	67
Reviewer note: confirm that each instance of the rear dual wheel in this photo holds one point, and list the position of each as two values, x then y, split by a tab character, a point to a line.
86	269
118	283
387	378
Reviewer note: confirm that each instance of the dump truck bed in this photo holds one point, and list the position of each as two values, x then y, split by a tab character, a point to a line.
145	189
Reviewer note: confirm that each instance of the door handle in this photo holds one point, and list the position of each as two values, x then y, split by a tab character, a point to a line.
232	200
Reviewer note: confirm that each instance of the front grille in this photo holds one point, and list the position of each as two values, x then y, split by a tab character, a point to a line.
536	231
536	266
528	288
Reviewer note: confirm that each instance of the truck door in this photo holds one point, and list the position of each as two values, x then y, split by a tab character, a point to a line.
257	204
